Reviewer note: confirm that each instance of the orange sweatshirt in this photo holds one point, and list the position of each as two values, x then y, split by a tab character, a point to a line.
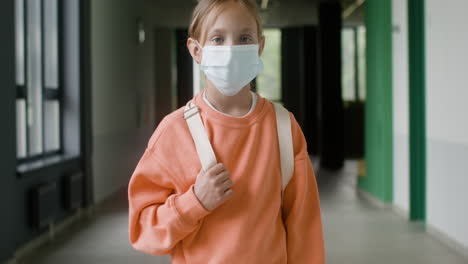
166	218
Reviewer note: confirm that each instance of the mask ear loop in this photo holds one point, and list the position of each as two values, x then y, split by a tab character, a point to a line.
198	44
201	48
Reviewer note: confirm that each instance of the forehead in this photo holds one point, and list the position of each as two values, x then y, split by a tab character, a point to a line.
230	16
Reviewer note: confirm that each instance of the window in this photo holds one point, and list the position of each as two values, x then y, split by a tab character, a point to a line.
361	49
348	80
353	63
269	81
38	99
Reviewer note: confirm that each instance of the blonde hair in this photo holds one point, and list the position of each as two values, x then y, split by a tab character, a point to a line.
205	7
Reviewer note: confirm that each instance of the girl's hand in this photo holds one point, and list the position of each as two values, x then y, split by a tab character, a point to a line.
213	187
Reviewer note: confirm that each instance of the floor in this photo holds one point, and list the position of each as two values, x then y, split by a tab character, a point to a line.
356	231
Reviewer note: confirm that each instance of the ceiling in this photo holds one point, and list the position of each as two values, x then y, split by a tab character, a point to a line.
284	11
184	3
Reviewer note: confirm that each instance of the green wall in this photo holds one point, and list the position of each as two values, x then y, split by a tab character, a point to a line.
417	98
378	180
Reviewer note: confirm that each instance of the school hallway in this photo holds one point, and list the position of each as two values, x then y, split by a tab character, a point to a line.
355	229
377	88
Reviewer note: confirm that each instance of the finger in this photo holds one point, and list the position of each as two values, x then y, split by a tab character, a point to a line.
216	169
226	185
228	194
222	177
226	179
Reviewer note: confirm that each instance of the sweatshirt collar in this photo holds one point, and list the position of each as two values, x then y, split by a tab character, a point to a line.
246	120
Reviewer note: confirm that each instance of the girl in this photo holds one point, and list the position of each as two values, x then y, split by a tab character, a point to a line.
232	212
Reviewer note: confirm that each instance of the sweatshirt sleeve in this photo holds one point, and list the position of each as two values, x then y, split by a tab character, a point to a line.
159	218
301	207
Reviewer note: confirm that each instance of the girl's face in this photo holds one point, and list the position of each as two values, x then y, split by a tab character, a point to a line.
234	25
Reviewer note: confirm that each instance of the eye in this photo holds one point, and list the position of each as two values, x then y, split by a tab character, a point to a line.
217	40
246	39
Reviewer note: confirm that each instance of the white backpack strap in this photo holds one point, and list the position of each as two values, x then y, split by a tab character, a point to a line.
200	138
283	124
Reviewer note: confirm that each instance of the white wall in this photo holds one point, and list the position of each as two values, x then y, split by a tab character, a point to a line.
447	119
122	93
400	106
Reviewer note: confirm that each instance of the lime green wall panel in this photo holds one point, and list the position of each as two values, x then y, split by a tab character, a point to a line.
378	180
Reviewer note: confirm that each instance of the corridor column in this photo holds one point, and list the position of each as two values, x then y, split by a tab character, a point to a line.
378	180
331	103
417	98
8	185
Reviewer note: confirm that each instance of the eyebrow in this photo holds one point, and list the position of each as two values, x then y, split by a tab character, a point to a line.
217	31
247	30
221	31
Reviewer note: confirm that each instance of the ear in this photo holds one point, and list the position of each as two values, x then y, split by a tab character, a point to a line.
194	49
261	45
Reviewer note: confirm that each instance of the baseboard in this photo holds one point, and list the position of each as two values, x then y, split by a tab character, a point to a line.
380	204
400	211
434	232
448	241
60	227
372	199
48	236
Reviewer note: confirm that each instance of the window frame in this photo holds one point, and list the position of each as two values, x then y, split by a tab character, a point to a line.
358	97
48	93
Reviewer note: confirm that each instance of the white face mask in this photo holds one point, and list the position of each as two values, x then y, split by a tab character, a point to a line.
230	68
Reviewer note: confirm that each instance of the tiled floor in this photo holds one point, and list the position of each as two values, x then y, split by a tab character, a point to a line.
355	232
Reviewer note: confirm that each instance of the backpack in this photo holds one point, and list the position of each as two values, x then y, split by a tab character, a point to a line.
206	153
